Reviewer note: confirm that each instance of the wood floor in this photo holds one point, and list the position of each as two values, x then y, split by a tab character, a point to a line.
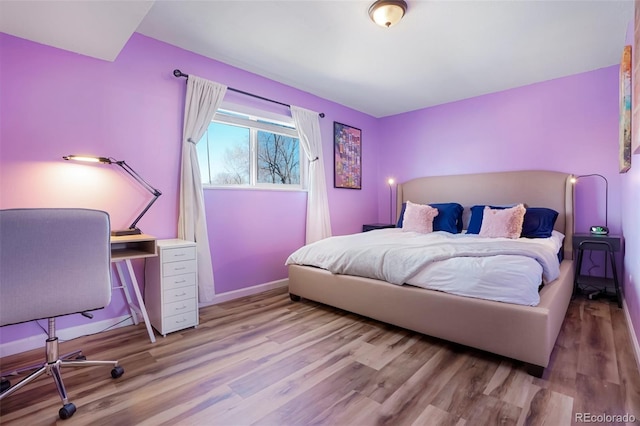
265	360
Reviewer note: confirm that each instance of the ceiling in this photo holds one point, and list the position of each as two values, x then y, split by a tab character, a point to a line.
442	51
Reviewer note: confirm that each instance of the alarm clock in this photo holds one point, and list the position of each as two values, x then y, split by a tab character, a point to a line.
599	230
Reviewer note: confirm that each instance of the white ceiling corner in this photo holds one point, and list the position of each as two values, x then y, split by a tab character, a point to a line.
99	28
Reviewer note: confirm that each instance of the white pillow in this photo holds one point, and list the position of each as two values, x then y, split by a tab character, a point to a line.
419	218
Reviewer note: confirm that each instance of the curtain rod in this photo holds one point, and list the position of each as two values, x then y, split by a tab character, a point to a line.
178	73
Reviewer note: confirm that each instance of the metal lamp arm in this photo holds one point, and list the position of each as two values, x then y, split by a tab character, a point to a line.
135	222
156	193
606	194
137	177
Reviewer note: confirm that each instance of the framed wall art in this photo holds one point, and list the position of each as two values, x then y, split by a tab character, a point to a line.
625	110
347	156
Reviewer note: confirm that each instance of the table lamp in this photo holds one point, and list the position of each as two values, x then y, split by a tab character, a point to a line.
133	229
598	229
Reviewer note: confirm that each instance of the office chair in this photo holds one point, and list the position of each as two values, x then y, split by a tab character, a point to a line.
53	262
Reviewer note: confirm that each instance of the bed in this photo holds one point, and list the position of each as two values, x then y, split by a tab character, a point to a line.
521	332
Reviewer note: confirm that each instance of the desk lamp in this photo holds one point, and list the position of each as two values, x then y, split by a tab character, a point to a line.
133	229
599	229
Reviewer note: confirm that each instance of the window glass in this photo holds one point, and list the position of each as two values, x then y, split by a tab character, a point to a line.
278	159
229	154
247	151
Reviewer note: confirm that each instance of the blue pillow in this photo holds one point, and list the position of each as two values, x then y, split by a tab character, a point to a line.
538	222
475	223
401	217
449	217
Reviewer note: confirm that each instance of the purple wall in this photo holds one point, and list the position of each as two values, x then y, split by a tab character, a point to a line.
568	124
55	103
631	231
630	206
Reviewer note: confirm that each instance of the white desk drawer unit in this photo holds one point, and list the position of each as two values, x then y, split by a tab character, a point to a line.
171	286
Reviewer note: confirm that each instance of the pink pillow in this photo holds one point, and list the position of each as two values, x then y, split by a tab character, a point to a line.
419	218
506	223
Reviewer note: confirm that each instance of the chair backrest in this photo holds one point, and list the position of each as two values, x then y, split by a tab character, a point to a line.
53	262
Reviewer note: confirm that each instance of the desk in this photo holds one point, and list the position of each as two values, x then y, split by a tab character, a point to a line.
123	249
606	243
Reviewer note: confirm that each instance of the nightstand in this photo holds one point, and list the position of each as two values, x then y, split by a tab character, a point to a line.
606	243
372	226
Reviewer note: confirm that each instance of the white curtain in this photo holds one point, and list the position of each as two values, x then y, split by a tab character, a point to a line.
201	103
318	219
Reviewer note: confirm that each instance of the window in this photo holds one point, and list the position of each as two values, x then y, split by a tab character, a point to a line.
245	150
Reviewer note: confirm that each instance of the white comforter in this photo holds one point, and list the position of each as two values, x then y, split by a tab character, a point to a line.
491	268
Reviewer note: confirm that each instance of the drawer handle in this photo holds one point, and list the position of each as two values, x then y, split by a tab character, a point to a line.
179	254
180	268
181	294
182	320
183	307
180	282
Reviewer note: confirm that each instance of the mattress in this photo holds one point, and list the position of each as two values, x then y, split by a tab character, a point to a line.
496	269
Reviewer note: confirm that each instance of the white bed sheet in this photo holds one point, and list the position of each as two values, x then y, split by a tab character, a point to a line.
506	276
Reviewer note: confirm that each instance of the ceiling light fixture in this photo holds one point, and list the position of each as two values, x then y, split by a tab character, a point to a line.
387	13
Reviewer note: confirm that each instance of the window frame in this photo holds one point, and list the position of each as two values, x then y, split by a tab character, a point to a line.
258	120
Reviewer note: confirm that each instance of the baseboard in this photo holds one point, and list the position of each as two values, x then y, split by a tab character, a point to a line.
249	291
632	334
37	341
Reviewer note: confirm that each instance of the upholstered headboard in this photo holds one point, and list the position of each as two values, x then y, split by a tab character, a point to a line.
535	188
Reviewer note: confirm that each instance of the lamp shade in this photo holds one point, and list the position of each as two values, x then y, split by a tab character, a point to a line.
88	158
387	13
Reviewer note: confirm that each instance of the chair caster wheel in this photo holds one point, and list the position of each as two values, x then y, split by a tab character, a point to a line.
67	411
81	358
117	372
4	385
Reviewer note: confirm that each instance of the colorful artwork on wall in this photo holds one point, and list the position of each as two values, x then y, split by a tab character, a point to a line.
347	154
625	110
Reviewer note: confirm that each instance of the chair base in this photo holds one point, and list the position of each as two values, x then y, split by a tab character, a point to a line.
53	368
